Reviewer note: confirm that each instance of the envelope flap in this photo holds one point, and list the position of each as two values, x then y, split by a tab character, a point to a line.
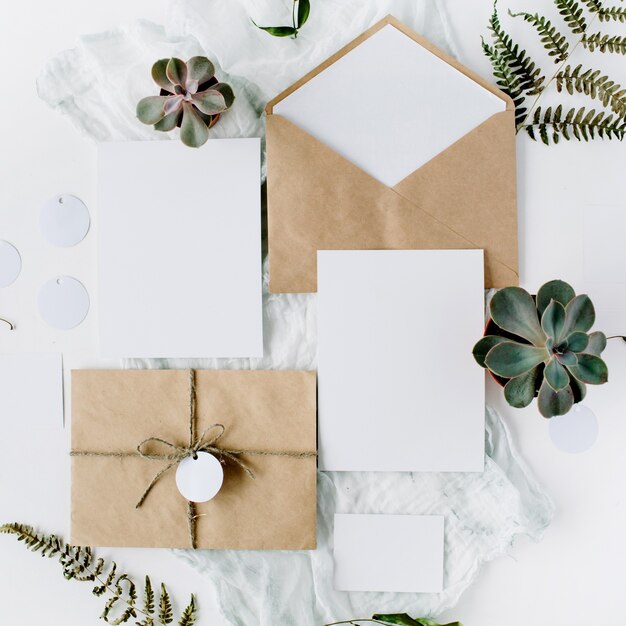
389	19
483	161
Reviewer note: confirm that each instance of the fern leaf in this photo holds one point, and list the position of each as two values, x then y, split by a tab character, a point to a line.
48	546
573	15
595	6
148	597
593	84
604	43
188	618
507	81
615	14
166	613
580	124
519	63
553	41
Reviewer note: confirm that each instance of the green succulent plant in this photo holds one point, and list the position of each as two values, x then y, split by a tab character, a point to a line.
190	98
542	347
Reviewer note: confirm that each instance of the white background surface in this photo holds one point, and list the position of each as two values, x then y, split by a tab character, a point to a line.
382	406
577	574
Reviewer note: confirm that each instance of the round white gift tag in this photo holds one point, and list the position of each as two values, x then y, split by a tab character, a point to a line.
199	480
63	302
10	263
64	220
575	431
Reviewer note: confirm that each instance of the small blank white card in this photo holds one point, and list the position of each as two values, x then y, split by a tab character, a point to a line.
399	389
393	553
180	249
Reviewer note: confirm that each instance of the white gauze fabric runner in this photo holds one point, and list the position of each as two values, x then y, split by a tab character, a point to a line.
97	84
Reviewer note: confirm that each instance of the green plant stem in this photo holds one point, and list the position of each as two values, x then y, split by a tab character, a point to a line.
92	573
355	622
293	18
558	69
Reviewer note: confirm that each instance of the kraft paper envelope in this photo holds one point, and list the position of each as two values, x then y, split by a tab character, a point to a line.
113	411
462	195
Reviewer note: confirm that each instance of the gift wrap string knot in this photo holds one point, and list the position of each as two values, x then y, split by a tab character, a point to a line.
206	442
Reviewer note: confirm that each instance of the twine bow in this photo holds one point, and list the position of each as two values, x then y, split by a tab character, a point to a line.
177	453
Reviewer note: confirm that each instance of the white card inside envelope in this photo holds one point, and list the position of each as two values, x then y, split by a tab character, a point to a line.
392	553
180	249
389	105
399	389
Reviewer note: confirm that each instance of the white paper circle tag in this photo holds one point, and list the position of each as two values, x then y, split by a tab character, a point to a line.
199	480
63	302
10	263
64	221
575	431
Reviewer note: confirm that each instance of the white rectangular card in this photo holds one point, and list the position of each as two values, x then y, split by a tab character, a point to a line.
393	553
34	459
395	105
180	249
399	389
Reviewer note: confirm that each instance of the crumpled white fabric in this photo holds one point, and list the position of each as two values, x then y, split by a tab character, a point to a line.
97	84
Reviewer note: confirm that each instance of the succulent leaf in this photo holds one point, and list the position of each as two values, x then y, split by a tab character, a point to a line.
511	359
150	109
579	389
577	341
169	122
227	92
210	101
200	69
567	358
176	71
552	403
590	369
597	343
483	346
520	391
552	320
173	104
556	375
193	130
160	77
557	290
513	309
579	315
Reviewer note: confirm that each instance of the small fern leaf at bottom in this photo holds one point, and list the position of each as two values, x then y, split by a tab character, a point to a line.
552	125
604	43
166	612
188	618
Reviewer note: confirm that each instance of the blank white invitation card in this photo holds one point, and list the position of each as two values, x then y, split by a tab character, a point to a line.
392	553
34	447
422	105
398	387
179	235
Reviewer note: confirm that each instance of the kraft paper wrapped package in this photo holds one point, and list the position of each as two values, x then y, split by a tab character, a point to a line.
262	412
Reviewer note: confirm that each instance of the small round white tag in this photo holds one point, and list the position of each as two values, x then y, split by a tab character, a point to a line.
575	431
64	221
199	480
10	263
63	302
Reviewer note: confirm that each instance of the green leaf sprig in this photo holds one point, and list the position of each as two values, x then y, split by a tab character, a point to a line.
122	603
300	12
394	619
522	78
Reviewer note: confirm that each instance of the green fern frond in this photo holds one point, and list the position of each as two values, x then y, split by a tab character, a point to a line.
615	14
507	81
604	43
519	63
593	5
188	618
579	124
166	613
553	41
593	84
78	563
573	15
